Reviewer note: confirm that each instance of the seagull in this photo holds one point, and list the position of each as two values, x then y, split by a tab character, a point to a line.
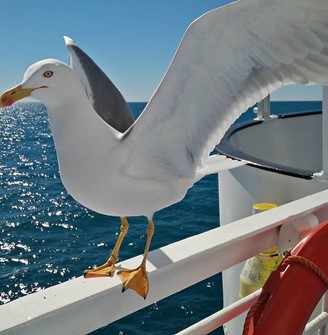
228	59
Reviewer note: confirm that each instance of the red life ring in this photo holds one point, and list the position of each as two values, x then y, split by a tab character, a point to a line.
291	293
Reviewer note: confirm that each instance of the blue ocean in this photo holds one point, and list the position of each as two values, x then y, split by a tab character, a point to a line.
47	237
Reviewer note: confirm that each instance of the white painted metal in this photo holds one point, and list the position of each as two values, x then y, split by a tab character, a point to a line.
80	306
223	316
323	175
325	310
218	163
316	324
325	130
291	232
263	109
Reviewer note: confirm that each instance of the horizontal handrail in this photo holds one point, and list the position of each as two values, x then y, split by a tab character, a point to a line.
221	317
65	308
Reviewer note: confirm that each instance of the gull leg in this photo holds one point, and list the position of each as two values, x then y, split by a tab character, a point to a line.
137	279
108	268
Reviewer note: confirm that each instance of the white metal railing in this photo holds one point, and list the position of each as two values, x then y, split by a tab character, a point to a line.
229	313
65	308
262	109
223	316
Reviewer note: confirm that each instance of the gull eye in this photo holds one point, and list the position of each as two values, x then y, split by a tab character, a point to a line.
48	74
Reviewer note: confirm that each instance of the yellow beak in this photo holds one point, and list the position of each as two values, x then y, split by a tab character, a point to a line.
14	94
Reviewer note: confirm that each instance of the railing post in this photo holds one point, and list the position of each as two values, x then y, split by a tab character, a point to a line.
325	130
323	175
263	109
324	309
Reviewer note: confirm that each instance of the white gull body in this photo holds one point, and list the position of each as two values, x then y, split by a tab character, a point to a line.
96	162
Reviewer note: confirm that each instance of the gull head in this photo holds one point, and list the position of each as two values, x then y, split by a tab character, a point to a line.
48	81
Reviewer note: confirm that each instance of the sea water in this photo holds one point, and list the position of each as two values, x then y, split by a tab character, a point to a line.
46	237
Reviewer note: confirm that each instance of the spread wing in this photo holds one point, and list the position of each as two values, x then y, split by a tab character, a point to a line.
229	59
105	98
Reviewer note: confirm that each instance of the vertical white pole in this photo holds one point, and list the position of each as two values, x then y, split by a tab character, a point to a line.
323	329
324	173
325	130
263	109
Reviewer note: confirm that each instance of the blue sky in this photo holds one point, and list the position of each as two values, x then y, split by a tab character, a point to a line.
133	41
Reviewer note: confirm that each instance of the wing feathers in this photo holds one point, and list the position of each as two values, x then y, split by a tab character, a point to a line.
229	59
105	98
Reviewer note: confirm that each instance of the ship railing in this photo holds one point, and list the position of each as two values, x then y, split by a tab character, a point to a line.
80	306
